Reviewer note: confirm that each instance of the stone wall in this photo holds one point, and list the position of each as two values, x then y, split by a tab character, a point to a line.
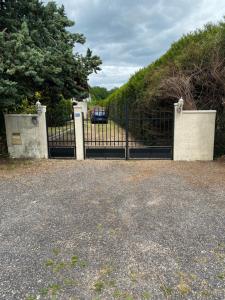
194	133
26	135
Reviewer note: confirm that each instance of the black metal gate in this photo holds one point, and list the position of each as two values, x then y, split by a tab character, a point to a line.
61	136
126	132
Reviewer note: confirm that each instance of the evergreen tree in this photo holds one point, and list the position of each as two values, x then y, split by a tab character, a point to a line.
37	54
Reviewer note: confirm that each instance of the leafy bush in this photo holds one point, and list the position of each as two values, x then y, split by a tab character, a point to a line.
60	113
23	108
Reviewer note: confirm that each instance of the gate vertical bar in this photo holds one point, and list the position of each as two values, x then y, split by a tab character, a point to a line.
127	124
47	134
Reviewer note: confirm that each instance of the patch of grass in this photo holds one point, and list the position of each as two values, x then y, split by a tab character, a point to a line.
146	296
31	298
185	279
183	288
128	297
219	251
56	266
49	263
54	289
83	263
74	260
220	256
111	283
44	291
100	227
113	232
118	294
56	251
221	245
59	267
133	276
193	277
69	282
98	286
221	276
167	290
205	293
106	270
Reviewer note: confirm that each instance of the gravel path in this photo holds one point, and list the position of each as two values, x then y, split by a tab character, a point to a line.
112	230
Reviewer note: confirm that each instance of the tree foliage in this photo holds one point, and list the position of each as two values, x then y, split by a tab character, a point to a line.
37	54
193	68
100	93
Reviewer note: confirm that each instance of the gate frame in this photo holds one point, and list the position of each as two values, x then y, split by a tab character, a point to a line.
66	147
167	155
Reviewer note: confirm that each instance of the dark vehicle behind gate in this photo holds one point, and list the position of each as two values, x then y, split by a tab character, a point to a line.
99	115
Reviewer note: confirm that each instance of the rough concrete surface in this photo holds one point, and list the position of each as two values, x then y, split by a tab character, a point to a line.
112	230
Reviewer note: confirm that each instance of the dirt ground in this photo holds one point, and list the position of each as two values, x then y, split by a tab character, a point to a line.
112	230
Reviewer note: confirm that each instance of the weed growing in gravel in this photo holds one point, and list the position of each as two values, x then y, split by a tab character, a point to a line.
82	263
106	283
129	298
205	293
69	282
56	266
219	251
56	251
102	281
44	291
118	294
49	263
100	227
133	276
146	296
59	267
74	260
31	298
54	289
167	290
221	276
98	286
111	283
114	232
183	288
106	270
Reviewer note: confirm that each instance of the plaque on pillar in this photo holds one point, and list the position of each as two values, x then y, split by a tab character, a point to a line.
16	139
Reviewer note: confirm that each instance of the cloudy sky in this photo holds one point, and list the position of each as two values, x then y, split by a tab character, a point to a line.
130	34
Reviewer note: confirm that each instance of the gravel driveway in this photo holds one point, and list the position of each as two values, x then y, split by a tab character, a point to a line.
112	230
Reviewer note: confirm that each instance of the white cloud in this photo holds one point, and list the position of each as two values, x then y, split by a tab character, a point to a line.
113	76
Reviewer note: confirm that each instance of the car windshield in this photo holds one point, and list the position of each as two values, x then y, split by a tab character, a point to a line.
99	113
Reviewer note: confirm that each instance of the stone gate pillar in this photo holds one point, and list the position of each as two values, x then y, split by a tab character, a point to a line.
79	132
26	134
